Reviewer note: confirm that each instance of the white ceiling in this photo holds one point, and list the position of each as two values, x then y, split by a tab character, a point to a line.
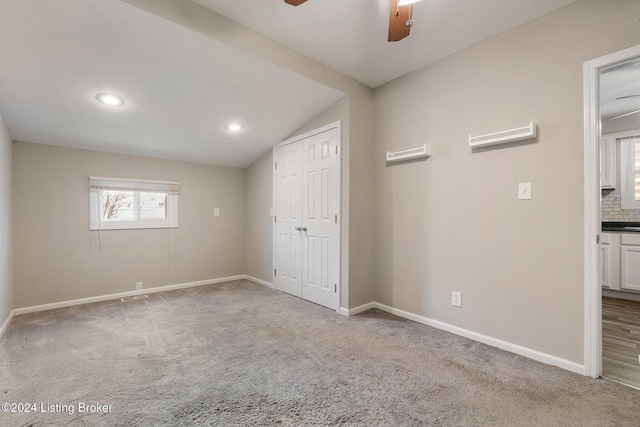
620	81
351	35
181	88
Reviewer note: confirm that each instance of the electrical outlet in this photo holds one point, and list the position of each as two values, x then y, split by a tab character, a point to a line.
456	299
138	286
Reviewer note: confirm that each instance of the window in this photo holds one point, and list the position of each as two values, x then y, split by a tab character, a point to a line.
630	171
120	204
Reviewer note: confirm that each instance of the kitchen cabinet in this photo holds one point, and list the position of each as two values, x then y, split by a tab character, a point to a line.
620	261
608	162
605	261
630	262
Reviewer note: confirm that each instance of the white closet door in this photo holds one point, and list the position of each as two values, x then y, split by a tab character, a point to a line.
288	208
307	205
320	222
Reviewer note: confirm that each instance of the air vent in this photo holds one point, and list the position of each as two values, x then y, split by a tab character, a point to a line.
127	299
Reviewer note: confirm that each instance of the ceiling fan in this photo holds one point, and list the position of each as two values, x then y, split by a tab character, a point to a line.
400	15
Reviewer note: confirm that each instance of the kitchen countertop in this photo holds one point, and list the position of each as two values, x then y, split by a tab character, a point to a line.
621	227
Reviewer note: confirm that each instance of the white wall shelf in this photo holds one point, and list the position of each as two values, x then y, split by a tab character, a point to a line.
503	137
413	153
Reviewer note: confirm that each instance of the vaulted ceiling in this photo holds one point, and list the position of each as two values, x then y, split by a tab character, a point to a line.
182	88
351	35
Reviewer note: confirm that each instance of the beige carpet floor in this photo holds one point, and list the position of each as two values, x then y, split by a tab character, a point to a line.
239	354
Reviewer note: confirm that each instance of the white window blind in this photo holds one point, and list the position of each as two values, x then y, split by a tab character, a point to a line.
629	171
133	184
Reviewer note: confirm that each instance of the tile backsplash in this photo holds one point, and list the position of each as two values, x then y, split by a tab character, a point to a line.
612	209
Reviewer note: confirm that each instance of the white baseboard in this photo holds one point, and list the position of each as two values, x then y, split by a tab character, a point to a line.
494	342
99	298
6	323
259	281
359	309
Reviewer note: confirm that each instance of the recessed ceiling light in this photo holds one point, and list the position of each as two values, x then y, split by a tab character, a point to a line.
234	127
111	100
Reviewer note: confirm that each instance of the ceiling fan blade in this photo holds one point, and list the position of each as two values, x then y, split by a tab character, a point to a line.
398	24
628	96
294	2
624	115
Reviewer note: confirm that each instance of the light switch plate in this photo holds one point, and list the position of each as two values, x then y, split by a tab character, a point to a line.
216	212
524	191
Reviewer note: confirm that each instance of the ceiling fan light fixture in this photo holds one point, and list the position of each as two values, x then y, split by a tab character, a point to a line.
407	2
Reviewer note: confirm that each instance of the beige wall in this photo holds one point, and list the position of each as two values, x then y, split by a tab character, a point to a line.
56	257
6	285
357	150
259	195
453	222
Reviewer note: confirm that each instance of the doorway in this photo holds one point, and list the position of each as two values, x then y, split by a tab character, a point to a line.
600	272
307	216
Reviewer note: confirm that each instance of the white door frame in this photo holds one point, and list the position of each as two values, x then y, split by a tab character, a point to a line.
592	219
338	126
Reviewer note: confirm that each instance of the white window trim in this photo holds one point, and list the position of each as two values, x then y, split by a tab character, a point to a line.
99	184
627	178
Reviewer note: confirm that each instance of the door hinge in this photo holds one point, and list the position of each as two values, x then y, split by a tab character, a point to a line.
274	272
597	239
336	219
335	288
276	165
275	218
336	149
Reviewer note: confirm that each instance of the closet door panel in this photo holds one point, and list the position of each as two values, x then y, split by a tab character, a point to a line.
288	219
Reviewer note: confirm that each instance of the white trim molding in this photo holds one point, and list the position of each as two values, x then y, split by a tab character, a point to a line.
359	309
6	323
592	195
259	281
108	297
494	342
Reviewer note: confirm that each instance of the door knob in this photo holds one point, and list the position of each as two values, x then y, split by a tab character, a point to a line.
301	228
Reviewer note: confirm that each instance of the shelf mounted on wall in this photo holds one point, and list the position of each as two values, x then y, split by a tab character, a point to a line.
413	153
503	137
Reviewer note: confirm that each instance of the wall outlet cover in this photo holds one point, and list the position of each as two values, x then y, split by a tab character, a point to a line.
456	299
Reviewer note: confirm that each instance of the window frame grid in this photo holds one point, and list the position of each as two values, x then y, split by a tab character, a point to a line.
96	204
